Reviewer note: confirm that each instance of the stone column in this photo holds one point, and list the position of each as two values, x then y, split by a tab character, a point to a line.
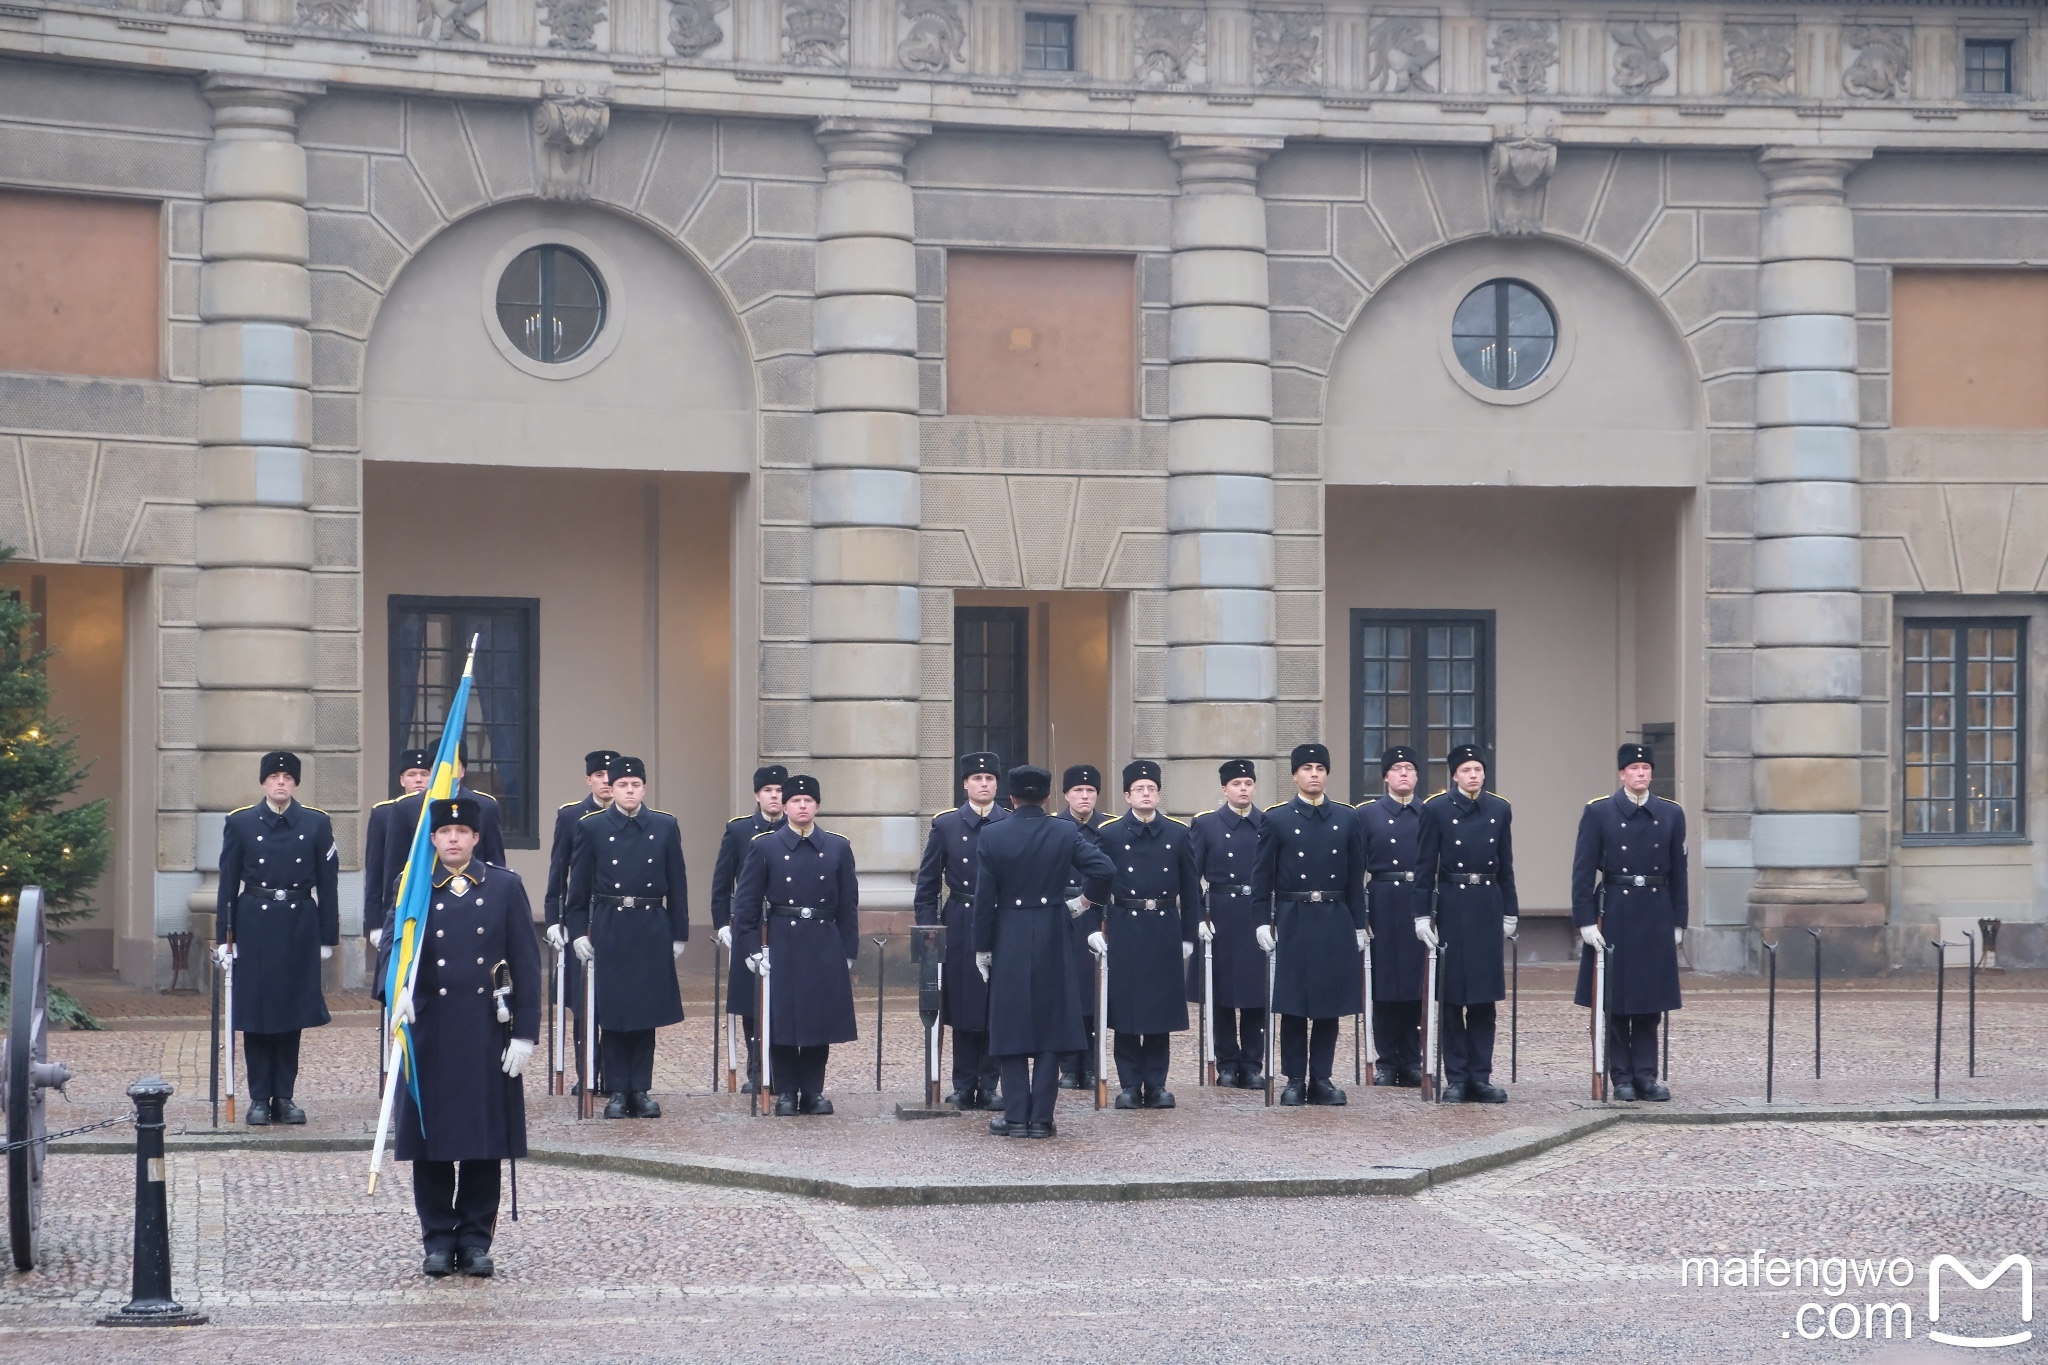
1220	629
255	535
865	505
1808	623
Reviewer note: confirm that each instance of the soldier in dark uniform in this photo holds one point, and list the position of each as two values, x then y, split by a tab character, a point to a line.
471	1113
1154	906
405	818
1226	842
1021	947
1312	871
949	865
1395	898
1468	857
415	772
279	919
732	855
800	880
628	902
1629	891
561	856
1080	789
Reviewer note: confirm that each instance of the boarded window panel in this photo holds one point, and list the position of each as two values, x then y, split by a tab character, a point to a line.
1969	348
1040	335
81	281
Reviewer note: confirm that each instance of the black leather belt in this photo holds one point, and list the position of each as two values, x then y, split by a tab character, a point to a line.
634	902
1239	890
277	893
1468	879
796	911
1161	903
1393	876
1632	881
1310	897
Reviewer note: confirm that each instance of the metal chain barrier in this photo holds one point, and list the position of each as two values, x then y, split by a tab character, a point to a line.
68	1132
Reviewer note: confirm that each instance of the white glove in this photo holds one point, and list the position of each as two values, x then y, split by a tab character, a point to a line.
401	1008
849	964
558	937
1677	938
1508	923
982	963
1078	906
1590	936
325	952
1266	937
1364	936
516	1054
1426	931
223	952
676	946
1187	950
1207	929
724	937
754	964
585	950
376	938
1097	944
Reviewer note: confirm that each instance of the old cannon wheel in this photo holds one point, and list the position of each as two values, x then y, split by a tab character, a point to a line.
26	1053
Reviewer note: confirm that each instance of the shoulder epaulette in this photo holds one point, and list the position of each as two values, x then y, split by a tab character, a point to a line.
587	814
315	809
239	809
766	832
388	801
567	804
468	790
1278	805
1598	799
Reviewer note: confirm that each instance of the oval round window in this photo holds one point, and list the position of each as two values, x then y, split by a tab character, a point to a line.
1504	334
551	303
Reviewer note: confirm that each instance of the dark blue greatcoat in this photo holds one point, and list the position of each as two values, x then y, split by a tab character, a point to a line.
1080	926
474	1111
1227	856
805	887
638	856
1155	860
404	819
1393	848
950	865
725	874
1464	837
1314	850
1020	915
278	939
378	831
562	857
1618	841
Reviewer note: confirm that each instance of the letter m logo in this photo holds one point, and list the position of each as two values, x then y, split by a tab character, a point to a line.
1934	1269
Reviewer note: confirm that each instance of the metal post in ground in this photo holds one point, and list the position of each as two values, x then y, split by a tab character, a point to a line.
1664	1037
1971	939
1816	1002
150	1303
1940	991
1514	1007
881	942
1771	1027
717	970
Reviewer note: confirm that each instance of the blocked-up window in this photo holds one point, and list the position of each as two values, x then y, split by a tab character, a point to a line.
81	284
1032	334
1969	348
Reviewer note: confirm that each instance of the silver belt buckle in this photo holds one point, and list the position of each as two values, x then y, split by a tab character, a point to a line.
803	912
1472	878
1315	897
1151	905
627	902
278	893
1642	881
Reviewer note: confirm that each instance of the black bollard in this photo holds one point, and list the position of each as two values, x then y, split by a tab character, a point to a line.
1816	1002
150	1303
881	980
1972	941
1940	990
1771	1028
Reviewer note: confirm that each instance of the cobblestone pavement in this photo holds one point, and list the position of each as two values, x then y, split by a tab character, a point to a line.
1574	1255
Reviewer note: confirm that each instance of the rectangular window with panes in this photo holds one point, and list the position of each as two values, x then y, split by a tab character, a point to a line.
1424	679
1987	67
1048	42
1965	729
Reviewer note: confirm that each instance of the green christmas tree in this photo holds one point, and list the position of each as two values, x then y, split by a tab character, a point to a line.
43	842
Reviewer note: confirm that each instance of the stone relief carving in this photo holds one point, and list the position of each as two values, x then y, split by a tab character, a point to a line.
1169	45
693	26
572	24
1286	47
1523	52
344	14
1639	49
814	34
1883	56
443	21
937	37
1400	51
1523	158
569	121
1760	59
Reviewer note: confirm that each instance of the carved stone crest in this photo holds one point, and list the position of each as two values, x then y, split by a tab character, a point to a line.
1760	59
1523	51
569	121
1639	50
1883	56
1286	48
1523	159
937	37
814	34
443	20
341	14
572	24
693	26
1169	45
1400	51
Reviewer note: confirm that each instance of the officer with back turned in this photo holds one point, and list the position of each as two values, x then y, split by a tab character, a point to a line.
740	832
628	908
950	864
278	918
